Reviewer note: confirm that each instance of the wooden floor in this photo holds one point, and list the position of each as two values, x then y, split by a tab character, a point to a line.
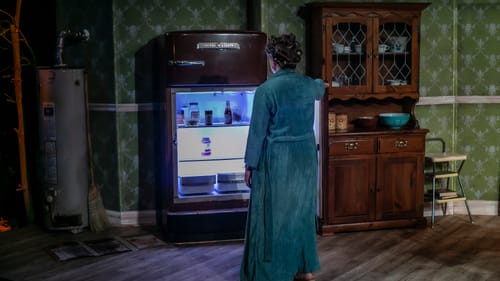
453	250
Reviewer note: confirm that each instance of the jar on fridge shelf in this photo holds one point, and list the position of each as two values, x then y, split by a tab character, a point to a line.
228	114
194	114
208	117
207	151
236	113
180	116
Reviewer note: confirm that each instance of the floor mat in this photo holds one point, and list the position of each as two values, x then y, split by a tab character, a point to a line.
145	241
92	248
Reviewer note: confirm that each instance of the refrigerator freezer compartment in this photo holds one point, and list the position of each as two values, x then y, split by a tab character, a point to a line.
196	57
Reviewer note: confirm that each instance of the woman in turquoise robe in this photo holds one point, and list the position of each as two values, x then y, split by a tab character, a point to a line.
281	170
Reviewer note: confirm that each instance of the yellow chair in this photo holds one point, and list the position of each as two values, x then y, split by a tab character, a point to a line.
444	169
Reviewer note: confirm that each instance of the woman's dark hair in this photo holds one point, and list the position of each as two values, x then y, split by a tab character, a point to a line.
284	50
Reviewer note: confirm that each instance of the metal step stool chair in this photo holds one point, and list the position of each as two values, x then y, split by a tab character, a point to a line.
443	169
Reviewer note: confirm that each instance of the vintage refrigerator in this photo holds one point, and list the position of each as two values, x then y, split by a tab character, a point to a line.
195	77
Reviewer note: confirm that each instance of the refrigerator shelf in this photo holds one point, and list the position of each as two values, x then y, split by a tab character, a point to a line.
234	124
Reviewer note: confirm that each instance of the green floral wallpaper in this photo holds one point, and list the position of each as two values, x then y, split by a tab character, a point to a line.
478	68
478	137
436	42
136	22
459	82
478	47
97	57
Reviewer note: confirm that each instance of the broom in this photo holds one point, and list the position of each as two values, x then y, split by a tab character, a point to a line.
98	220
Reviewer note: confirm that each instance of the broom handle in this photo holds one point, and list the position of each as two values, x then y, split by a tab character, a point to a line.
89	139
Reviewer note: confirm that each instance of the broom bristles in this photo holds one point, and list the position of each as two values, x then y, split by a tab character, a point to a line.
98	220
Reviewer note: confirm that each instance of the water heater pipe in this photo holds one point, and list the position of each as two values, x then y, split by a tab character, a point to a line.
83	35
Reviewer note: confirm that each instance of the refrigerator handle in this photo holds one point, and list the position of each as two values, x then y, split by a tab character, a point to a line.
186	62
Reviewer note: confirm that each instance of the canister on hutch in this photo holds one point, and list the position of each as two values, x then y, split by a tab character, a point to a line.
341	122
331	121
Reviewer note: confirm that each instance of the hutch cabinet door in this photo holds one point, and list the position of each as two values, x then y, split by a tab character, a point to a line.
399	185
348	64
370	54
396	56
351	189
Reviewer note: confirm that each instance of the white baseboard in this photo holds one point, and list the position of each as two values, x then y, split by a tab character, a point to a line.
477	207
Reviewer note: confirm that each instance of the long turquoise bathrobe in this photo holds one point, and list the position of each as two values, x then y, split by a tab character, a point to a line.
280	237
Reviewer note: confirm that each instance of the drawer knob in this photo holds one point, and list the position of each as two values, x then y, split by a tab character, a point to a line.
351	146
401	143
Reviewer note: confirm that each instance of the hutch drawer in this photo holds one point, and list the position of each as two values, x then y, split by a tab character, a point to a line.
347	146
391	144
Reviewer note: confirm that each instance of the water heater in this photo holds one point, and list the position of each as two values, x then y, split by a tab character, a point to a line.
63	147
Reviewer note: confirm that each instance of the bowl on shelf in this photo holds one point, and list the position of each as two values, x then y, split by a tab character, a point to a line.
366	122
394	120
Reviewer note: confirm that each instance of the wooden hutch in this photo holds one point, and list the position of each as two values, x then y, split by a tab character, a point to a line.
369	55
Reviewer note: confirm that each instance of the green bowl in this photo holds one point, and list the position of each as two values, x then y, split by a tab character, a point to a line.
394	120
